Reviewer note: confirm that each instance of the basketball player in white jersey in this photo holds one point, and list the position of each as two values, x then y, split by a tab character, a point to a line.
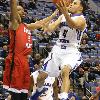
65	53
47	91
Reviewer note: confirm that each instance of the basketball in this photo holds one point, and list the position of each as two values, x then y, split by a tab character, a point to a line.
58	1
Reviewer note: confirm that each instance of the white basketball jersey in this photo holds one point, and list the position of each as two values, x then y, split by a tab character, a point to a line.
68	35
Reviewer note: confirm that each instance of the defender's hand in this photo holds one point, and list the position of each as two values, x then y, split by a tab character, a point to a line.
55	12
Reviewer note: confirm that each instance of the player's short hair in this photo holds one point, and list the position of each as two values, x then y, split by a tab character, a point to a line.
84	5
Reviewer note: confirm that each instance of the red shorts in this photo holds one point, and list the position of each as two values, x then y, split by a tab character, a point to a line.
20	74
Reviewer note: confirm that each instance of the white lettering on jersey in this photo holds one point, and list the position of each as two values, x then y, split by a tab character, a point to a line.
28	44
27	31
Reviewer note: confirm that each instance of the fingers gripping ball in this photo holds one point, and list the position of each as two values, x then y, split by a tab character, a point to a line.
58	1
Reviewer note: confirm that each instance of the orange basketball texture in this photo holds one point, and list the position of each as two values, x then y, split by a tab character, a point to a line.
58	1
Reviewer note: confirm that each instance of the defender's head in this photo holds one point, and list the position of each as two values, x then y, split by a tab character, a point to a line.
21	11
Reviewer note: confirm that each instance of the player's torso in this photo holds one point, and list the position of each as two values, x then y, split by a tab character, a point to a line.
23	40
67	35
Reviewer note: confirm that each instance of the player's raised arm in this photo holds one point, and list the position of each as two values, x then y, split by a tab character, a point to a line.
15	19
54	25
41	23
78	23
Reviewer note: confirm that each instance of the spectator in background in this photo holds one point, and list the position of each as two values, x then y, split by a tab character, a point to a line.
6	21
1	35
98	20
31	62
32	4
23	4
43	38
46	50
38	66
96	28
37	58
84	46
73	96
85	36
4	4
88	25
34	62
4	52
91	75
81	76
1	28
96	70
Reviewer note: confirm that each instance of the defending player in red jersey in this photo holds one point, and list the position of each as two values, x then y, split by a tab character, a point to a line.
16	76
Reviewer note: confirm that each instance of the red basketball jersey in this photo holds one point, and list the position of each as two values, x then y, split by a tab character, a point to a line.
23	40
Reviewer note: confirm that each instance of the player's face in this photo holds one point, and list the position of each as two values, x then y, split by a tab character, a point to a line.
20	11
75	6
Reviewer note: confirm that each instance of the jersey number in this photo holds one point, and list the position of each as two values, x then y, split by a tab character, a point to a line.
65	33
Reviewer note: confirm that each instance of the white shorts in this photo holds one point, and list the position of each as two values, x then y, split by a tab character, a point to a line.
59	57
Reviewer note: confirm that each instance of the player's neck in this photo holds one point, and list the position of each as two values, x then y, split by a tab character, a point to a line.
76	14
